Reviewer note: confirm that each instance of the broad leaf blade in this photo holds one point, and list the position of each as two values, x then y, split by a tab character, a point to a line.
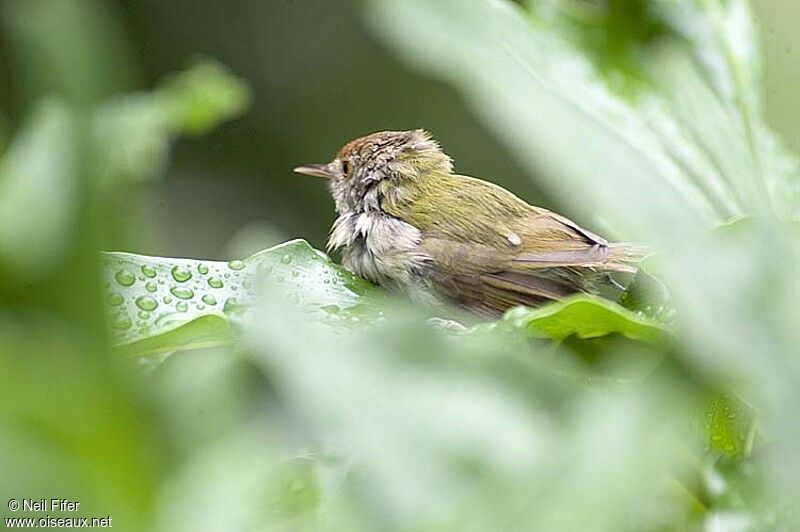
38	191
158	305
690	148
586	317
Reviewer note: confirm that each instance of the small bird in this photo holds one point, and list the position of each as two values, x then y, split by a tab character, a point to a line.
407	222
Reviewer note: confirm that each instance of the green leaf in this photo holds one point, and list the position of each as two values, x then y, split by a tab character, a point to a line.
199	333
77	50
133	132
729	425
646	294
452	431
691	149
203	96
38	193
585	317
158	305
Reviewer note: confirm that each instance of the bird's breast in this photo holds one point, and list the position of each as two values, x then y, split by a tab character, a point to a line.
379	247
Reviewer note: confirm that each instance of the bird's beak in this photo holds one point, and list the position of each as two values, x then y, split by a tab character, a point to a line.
315	170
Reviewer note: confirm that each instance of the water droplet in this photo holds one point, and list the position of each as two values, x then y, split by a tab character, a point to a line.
295	273
151	286
124	277
167	300
121	322
143	315
141	277
148	270
182	292
182	306
247	284
114	300
215	282
202	268
286	259
231	304
201	307
208	299
236	265
181	274
146	303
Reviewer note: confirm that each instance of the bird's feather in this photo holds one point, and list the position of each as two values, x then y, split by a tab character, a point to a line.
510	254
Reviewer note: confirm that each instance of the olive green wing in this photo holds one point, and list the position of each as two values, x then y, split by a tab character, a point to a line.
490	250
482	279
471	211
550	263
461	209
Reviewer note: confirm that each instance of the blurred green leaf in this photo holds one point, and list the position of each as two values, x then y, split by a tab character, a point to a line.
132	135
39	193
586	317
684	151
71	425
202	97
462	432
646	293
158	305
75	49
728	425
200	333
615	34
665	164
73	421
241	482
4	133
133	132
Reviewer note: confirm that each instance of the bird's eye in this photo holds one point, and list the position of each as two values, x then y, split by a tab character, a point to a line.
346	168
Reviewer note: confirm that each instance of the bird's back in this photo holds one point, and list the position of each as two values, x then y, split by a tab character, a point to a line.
489	250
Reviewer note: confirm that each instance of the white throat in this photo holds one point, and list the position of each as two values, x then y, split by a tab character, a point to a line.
379	247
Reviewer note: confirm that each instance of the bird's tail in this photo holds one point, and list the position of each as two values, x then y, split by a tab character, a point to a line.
626	256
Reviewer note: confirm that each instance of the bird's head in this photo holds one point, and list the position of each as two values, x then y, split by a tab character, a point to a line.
382	164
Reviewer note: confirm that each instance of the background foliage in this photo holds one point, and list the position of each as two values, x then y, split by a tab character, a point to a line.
273	390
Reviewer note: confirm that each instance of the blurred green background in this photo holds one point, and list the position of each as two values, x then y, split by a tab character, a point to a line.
605	433
318	78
